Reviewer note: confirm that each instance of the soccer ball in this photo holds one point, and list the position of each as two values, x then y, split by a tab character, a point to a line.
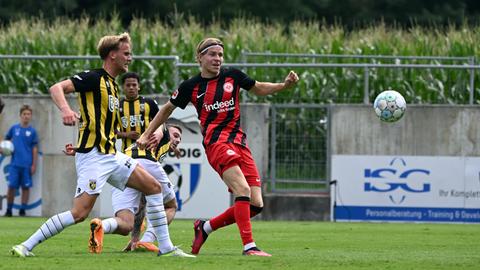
7	147
390	106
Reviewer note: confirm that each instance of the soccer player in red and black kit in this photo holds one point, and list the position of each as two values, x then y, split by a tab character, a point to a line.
215	93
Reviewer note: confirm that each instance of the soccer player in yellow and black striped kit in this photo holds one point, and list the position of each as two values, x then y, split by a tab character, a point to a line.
136	112
96	160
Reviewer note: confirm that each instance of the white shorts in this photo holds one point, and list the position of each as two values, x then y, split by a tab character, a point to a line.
130	198
94	169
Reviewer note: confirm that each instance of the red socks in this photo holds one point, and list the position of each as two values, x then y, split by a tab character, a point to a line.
228	217
242	218
224	219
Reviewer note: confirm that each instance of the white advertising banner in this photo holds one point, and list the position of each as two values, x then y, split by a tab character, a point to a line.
200	191
407	188
34	205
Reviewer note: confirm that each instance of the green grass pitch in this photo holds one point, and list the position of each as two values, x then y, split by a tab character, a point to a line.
294	245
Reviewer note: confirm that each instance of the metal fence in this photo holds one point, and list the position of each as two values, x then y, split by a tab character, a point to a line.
174	59
298	148
465	59
409	61
471	68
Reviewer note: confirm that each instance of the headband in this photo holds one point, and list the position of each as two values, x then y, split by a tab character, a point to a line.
211	46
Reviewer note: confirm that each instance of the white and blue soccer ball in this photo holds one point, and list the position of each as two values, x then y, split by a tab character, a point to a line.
390	106
7	147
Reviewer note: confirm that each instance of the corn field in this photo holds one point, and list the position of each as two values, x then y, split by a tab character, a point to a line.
317	85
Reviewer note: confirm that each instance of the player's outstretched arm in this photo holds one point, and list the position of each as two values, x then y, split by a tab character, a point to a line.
268	88
57	92
159	119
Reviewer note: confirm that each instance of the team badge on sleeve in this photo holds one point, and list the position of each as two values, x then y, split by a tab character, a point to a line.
175	94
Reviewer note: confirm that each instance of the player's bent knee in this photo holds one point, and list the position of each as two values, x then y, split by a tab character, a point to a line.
172	204
80	219
154	188
255	210
124	230
79	216
242	191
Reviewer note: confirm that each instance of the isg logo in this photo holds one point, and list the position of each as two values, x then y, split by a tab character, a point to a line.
397	181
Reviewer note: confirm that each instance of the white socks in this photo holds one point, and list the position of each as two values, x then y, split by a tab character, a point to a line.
51	227
207	227
149	235
157	217
249	246
109	225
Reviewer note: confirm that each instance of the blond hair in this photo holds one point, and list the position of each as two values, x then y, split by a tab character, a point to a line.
111	43
204	44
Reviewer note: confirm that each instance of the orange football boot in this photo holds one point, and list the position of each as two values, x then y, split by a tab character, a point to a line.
95	242
147	246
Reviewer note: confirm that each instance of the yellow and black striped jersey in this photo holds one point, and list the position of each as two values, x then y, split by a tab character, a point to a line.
163	146
157	155
99	119
136	115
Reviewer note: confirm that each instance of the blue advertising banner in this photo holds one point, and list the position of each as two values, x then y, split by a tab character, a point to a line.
406	188
349	212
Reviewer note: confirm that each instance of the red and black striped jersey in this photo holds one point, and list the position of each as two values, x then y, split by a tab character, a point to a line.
217	101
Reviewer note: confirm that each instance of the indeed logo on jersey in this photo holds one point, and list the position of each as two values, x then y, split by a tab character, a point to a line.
223	106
